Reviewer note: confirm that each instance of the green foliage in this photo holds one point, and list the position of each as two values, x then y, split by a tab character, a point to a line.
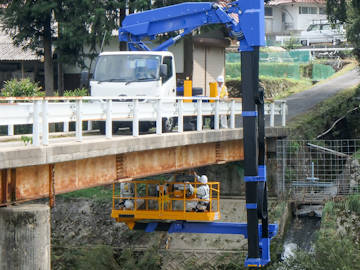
347	12
96	193
311	124
293	43
354	204
335	247
26	140
150	259
274	87
21	88
84	258
78	92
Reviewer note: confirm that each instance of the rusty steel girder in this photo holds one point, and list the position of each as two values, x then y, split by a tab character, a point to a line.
34	182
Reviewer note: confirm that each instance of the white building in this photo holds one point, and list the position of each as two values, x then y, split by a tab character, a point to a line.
290	17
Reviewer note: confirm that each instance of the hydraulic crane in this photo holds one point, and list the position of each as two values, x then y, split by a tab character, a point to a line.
245	21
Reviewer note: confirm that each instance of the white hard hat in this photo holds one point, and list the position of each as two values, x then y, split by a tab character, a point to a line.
203	179
220	79
128	204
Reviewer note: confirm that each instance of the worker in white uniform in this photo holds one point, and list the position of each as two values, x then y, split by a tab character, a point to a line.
202	192
126	190
222	93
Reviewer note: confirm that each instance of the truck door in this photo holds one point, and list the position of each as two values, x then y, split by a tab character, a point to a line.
169	81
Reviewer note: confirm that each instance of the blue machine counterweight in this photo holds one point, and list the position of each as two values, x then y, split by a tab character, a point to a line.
245	21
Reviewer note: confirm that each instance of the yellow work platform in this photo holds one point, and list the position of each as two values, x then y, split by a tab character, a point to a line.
159	200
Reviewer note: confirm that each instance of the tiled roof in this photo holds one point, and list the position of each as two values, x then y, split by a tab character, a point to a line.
279	2
10	52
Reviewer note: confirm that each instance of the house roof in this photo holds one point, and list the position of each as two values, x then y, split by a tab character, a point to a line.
10	52
279	2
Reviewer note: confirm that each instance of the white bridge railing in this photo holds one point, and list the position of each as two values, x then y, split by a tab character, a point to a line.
40	111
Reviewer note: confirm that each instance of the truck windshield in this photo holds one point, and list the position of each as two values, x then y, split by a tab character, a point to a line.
127	68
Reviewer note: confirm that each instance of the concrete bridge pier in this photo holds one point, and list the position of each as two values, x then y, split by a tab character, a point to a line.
25	237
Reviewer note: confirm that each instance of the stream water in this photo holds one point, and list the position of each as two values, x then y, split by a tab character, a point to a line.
300	235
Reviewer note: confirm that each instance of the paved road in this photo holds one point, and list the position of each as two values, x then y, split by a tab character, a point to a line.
301	102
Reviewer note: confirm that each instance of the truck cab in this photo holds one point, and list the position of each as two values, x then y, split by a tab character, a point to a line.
134	73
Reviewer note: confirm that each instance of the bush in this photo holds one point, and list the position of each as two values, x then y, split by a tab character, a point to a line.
78	92
21	88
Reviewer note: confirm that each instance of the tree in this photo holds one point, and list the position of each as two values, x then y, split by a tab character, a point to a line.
76	28
82	33
348	12
29	23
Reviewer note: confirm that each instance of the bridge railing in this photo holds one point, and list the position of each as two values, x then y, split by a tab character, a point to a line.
41	111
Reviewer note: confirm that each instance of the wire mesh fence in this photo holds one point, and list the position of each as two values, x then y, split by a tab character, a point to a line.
318	170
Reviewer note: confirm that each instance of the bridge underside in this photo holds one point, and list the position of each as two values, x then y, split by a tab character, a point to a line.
33	182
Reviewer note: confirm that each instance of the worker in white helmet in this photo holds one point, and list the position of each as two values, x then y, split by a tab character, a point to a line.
126	192
202	192
222	93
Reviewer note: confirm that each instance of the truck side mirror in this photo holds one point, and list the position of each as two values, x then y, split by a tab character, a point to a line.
163	70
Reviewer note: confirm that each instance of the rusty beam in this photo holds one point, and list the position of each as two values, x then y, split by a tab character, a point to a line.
51	185
4	186
41	181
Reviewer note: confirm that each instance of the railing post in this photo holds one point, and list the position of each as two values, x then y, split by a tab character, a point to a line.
11	127
108	128
136	118
180	116
158	118
36	123
66	123
45	123
272	114
283	113
89	127
199	115
78	120
217	118
232	114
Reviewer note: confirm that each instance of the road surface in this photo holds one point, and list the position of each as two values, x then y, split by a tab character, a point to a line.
302	102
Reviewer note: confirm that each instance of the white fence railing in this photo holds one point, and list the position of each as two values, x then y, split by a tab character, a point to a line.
40	111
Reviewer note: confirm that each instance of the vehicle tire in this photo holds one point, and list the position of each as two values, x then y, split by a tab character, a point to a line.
168	124
304	42
145	126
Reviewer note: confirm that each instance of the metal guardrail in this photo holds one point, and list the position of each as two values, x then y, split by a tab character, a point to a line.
41	111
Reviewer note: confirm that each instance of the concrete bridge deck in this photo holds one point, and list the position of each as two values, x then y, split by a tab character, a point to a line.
31	172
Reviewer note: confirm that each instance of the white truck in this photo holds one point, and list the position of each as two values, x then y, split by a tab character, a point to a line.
135	73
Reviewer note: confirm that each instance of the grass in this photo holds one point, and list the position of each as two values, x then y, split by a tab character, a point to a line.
315	121
353	64
96	193
299	86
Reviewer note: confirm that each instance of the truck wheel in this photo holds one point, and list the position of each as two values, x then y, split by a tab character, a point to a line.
304	42
145	126
168	124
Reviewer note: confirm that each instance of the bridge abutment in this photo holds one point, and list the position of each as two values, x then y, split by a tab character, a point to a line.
25	237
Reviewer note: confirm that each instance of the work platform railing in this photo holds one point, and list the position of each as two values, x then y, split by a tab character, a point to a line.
41	111
161	200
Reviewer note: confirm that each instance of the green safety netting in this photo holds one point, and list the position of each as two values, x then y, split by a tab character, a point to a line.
284	64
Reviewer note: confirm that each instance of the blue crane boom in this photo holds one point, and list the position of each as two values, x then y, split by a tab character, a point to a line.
243	18
245	21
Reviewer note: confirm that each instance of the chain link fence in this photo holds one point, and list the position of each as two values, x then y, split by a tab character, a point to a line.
314	171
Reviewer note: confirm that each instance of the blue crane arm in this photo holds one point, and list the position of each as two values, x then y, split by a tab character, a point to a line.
244	19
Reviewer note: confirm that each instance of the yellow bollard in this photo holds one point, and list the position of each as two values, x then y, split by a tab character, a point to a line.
188	90
213	90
